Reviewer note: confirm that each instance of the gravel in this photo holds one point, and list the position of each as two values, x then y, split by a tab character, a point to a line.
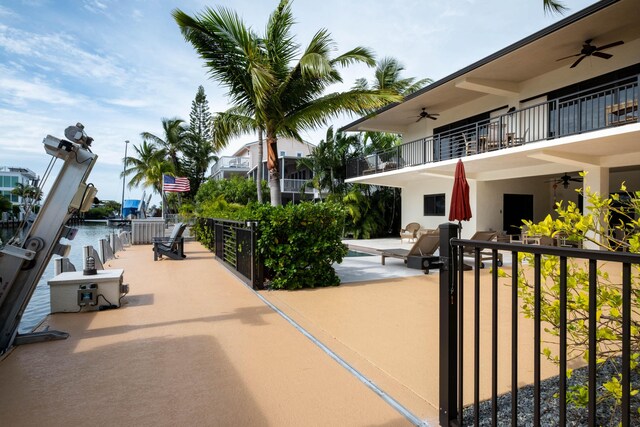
607	414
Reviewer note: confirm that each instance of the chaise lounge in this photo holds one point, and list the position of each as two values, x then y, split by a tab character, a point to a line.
485	255
172	246
419	256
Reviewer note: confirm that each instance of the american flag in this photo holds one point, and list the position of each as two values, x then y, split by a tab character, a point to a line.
175	184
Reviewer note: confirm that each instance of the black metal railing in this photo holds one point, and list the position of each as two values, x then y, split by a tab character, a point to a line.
453	313
613	104
234	243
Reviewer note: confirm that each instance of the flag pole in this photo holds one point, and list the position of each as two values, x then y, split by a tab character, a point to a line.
162	197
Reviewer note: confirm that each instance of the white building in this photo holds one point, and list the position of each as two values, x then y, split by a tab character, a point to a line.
12	176
246	162
525	121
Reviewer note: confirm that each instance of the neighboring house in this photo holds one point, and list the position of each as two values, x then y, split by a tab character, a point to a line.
245	162
524	120
10	177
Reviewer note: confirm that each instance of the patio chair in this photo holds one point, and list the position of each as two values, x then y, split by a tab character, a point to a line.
172	246
420	255
485	255
410	231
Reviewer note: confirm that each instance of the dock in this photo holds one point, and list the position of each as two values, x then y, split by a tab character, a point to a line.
193	345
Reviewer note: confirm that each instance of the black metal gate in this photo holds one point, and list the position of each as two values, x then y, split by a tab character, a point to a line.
235	243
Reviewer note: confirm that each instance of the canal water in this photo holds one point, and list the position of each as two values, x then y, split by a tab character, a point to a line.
39	305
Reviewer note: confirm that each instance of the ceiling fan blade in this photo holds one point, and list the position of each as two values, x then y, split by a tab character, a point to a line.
607	46
432	117
419	118
578	61
602	55
567	57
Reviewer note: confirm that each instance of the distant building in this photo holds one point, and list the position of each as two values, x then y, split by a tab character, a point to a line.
10	177
245	162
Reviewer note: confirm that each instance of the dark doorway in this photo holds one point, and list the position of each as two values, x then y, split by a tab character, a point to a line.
515	208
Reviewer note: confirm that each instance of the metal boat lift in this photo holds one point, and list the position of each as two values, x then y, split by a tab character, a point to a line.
22	264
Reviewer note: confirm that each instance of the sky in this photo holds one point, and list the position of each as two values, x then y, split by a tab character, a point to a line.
121	66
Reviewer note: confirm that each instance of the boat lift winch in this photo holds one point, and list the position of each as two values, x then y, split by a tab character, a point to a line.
23	263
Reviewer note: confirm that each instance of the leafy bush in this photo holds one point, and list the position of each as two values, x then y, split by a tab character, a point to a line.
99	212
613	224
300	243
235	190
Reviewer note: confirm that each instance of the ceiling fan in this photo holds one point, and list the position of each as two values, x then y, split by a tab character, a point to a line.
564	180
424	114
590	50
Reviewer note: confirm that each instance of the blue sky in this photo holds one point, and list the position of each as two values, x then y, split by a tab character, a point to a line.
120	66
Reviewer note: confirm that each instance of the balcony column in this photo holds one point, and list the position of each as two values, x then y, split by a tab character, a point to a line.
597	181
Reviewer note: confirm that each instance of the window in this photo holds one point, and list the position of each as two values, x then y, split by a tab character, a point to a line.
434	204
283	153
299	154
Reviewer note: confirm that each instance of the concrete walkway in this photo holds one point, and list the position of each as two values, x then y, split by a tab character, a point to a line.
193	346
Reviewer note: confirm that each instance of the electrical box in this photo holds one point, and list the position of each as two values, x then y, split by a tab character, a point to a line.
72	291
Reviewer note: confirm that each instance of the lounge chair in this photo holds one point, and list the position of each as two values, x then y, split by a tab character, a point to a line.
410	232
485	255
172	246
419	256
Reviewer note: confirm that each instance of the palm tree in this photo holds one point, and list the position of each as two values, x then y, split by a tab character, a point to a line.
175	135
387	77
328	162
147	166
554	6
28	193
270	81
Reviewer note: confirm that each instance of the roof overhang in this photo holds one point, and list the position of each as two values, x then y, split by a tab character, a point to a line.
501	73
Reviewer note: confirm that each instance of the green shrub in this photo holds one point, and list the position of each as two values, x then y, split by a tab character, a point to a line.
300	243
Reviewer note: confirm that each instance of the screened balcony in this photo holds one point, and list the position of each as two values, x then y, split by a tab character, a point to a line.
605	106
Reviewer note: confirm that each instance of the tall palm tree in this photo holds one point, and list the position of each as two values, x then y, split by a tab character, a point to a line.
270	81
175	135
387	77
147	166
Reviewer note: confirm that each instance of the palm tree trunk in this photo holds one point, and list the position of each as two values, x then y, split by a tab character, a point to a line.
259	171
274	169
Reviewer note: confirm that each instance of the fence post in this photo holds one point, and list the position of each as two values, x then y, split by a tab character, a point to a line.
448	327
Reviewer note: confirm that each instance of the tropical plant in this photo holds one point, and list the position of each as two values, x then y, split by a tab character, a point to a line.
272	83
5	204
554	6
28	193
147	166
611	223
328	162
175	135
387	77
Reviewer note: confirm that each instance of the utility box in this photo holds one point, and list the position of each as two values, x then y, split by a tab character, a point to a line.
72	291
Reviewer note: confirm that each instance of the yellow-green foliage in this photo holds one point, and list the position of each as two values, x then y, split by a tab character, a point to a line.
594	226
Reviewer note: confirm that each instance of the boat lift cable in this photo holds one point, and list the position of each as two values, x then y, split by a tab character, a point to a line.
363	379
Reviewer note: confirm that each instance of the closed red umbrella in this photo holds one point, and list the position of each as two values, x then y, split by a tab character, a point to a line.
460	209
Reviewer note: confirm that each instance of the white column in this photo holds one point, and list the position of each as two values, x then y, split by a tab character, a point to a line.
597	181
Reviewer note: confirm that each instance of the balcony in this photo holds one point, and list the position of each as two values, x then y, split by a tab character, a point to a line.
230	163
610	105
294	186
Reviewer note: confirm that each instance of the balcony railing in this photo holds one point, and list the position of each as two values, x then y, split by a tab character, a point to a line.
230	162
294	186
609	105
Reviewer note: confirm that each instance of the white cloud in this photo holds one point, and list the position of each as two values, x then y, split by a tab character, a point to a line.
19	92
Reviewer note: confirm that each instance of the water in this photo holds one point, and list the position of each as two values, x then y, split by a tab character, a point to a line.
39	305
353	253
